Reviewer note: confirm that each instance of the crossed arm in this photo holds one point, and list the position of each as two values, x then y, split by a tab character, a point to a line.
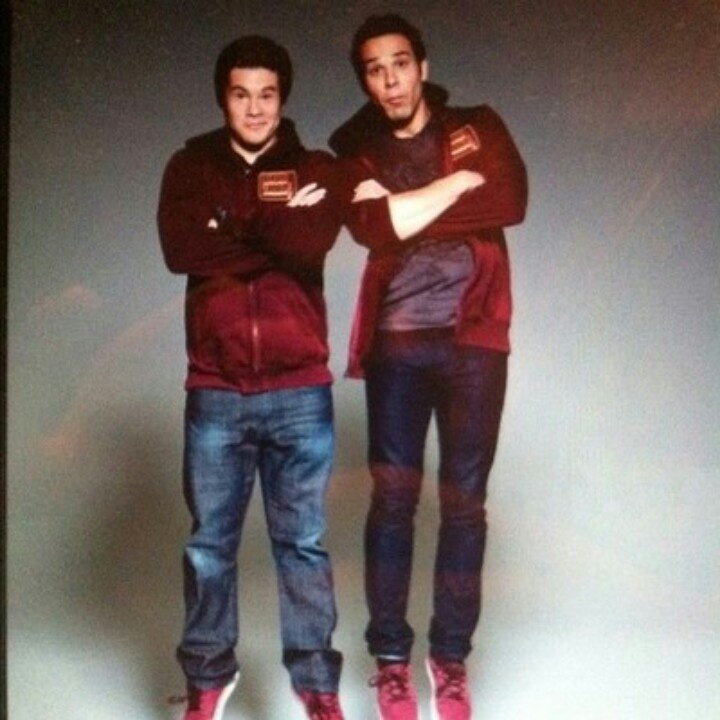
201	234
413	210
489	192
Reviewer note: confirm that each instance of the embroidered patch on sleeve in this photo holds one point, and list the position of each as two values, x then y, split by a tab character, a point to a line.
463	142
278	186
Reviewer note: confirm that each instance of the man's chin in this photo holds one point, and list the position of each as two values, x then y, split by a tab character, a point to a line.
397	114
252	146
400	117
399	120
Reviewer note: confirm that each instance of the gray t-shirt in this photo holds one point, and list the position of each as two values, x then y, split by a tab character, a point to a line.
426	291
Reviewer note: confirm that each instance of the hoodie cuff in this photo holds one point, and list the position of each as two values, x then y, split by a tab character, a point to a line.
373	226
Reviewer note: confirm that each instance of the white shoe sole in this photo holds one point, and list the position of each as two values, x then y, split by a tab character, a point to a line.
433	705
224	697
434	714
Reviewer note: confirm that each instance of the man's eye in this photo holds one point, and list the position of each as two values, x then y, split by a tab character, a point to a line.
373	71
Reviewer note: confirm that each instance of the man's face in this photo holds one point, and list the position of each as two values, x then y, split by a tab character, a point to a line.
394	80
252	109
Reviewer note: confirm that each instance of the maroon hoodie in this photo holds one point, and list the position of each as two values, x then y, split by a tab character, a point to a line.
472	138
255	314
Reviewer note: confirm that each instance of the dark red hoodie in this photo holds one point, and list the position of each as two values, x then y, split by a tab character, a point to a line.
255	314
473	138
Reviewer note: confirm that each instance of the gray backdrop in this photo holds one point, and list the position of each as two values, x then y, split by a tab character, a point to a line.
601	584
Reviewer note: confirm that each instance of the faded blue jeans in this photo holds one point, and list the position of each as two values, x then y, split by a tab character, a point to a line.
410	378
285	437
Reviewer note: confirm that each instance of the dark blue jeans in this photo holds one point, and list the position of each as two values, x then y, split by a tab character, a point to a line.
409	380
286	438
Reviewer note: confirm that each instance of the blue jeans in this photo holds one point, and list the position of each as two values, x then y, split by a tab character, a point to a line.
286	438
409	380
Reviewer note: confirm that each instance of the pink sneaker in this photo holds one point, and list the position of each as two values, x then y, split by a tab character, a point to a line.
209	704
396	696
321	706
450	696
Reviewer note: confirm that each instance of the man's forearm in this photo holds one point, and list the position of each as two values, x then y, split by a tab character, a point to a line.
412	211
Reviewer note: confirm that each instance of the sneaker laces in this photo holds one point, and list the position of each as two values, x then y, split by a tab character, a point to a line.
451	680
393	680
322	706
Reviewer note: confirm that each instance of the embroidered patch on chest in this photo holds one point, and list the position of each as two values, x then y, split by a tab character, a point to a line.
463	142
277	186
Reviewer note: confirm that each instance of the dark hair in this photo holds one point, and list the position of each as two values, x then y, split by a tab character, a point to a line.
253	51
376	25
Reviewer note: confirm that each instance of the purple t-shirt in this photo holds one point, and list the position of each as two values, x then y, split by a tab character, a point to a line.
426	291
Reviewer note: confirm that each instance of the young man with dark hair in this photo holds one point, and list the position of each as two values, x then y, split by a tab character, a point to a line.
248	214
436	186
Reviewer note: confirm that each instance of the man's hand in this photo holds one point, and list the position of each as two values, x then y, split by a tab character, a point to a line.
469	179
307	196
369	189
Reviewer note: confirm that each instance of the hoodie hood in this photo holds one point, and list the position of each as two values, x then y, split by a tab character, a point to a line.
369	122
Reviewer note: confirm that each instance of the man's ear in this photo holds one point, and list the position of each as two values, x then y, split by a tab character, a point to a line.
424	70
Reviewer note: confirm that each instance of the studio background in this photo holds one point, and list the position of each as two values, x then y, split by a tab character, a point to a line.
602	578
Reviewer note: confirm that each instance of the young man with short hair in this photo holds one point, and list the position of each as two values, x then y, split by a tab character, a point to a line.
436	186
248	214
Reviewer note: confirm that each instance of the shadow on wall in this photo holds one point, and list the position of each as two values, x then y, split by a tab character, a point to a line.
121	551
120	548
99	519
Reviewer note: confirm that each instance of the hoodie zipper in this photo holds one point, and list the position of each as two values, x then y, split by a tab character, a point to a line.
254	327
